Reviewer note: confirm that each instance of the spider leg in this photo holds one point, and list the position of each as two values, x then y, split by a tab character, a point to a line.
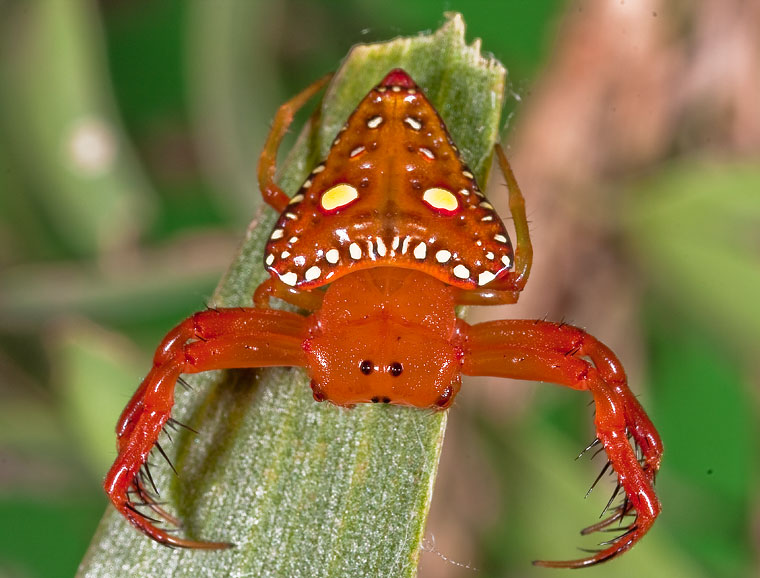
506	289
273	287
212	339
273	194
558	353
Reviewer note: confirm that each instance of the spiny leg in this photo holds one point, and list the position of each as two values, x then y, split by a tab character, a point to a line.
213	339
541	351
272	194
506	289
207	325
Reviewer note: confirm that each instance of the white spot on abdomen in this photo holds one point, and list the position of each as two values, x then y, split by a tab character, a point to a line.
312	273
442	256
289	278
462	272
413	122
485	277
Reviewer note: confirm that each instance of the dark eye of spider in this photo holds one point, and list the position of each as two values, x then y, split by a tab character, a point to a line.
366	367
396	369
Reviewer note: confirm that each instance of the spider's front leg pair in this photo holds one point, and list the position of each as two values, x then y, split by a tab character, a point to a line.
212	339
558	353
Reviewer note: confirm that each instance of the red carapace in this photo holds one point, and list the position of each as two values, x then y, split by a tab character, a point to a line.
381	242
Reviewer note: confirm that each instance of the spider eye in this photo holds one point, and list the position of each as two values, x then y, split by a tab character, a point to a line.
366	367
396	368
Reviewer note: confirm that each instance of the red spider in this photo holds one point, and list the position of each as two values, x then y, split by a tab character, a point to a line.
382	241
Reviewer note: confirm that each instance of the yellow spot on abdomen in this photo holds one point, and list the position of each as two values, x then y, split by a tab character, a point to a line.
441	199
338	197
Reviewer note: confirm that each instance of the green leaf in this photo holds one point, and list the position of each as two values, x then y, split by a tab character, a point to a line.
66	135
694	227
125	293
307	489
94	372
707	418
225	39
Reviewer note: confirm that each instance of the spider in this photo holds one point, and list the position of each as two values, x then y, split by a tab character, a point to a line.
380	244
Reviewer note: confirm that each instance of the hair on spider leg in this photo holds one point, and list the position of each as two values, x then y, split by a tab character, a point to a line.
168	518
149	501
603	526
612	498
129	506
611	530
174	424
619	512
163	453
597	452
572	352
590	446
606	467
141	493
631	529
544	319
625	507
145	471
150	504
183	382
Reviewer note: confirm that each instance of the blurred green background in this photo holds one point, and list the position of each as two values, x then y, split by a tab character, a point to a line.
129	135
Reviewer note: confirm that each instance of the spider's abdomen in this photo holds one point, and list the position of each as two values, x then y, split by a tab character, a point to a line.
393	192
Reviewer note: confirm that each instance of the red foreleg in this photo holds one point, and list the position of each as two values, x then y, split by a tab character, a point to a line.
541	351
213	339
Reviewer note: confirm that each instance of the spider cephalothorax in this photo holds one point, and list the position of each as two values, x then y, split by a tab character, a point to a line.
381	242
387	335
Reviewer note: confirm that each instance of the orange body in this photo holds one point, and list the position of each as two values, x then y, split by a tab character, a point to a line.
379	245
397	328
